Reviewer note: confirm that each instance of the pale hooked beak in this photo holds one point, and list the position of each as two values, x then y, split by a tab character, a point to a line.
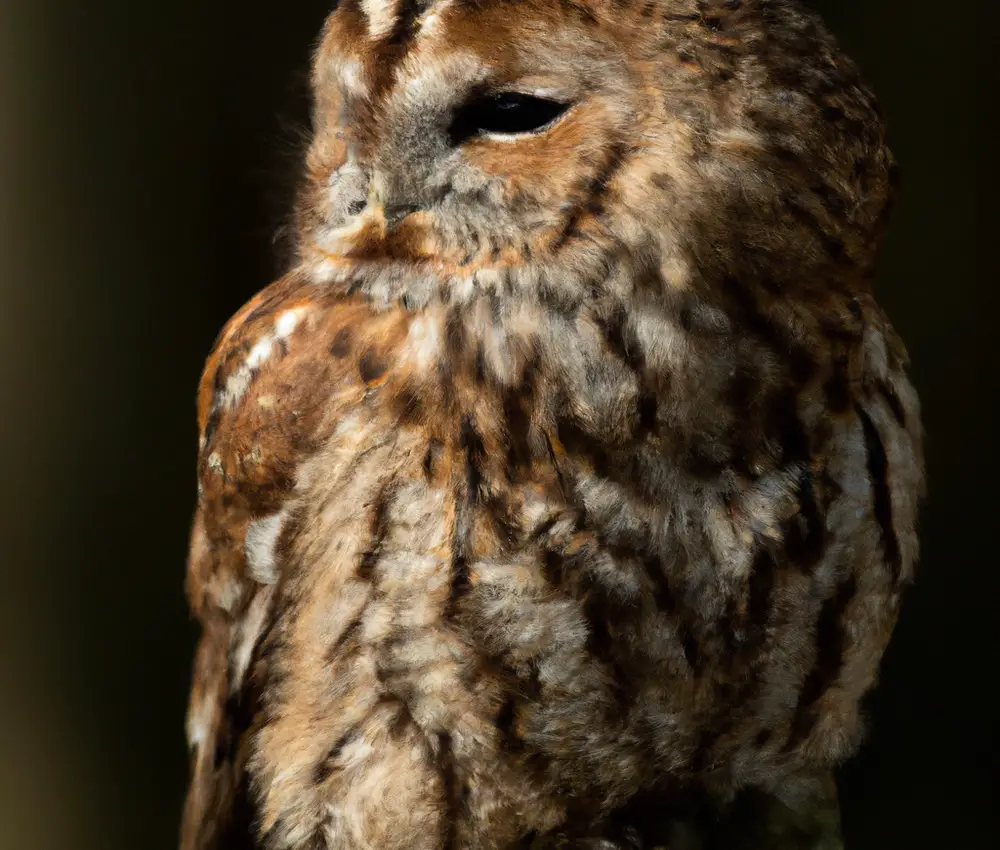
378	219
383	208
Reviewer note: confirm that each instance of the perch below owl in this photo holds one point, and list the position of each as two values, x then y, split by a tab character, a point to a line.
572	471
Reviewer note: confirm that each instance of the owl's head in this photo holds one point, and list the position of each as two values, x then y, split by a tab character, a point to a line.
538	144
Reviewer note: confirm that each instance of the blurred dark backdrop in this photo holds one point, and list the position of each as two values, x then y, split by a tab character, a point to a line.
146	151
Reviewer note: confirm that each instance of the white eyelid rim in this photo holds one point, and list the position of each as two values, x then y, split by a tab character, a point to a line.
543	93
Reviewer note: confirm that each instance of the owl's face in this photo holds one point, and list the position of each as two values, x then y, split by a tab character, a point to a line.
466	140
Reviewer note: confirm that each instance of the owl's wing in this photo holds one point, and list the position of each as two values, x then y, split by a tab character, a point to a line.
229	600
279	378
217	714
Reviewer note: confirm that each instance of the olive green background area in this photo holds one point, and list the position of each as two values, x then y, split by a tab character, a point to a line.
145	151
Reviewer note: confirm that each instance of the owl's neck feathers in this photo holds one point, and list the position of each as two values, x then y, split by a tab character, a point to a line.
621	348
713	249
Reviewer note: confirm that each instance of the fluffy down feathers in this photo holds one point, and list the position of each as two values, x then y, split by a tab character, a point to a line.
569	476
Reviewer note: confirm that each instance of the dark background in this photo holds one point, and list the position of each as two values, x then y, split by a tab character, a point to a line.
146	152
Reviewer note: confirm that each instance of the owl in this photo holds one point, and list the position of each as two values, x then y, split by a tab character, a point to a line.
570	475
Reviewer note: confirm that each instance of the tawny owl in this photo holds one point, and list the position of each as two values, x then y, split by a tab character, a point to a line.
572	471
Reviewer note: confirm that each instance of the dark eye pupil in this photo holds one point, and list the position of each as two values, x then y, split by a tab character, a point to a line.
508	114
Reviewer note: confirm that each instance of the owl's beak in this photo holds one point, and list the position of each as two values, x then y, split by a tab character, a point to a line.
395	214
383	208
387	218
372	226
376	204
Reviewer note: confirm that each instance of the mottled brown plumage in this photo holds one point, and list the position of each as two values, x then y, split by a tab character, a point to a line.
569	478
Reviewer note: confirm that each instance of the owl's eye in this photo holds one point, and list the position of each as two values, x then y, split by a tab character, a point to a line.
506	114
